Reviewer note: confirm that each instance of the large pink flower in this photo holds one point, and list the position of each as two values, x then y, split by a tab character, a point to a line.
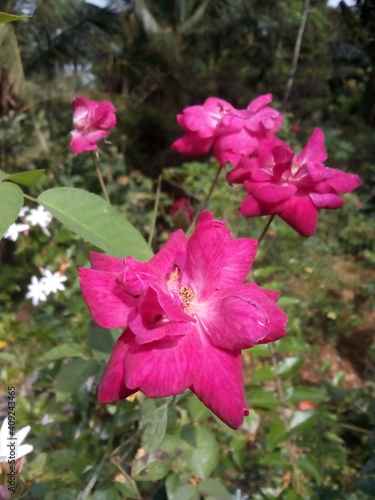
293	187
92	121
233	133
188	315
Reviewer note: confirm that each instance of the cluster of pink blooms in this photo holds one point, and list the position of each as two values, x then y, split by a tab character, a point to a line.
187	313
278	182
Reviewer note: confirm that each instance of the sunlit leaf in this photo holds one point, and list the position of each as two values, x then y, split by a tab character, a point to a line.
11	201
25	178
310	466
206	453
9	18
97	221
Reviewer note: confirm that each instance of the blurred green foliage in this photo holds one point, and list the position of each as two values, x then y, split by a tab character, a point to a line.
174	448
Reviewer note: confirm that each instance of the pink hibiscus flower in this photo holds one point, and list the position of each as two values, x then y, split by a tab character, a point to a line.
293	187
92	121
188	315
233	133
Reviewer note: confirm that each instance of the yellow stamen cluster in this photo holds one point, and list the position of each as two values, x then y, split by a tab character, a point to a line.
174	276
187	295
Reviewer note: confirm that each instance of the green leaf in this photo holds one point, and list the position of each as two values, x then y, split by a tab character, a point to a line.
186	492
300	393
97	221
25	178
106	491
292	345
276	435
206	453
11	201
266	272
198	411
310	466
302	420
263	373
155	429
128	489
214	489
290	366
3	175
251	422
260	350
101	343
65	350
261	398
71	376
9	18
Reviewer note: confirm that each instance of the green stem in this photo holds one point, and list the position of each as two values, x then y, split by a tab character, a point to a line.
266	228
95	160
205	203
30	198
155	212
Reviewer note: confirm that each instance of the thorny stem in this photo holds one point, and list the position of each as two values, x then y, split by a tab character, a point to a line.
95	160
155	213
205	203
30	198
266	228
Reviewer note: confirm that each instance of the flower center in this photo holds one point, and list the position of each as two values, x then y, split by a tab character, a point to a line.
187	295
295	168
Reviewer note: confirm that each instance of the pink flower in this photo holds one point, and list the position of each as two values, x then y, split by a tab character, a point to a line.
232	133
306	405
293	187
182	207
188	315
92	121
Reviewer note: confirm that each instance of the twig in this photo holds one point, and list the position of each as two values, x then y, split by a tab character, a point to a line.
155	212
266	228
95	160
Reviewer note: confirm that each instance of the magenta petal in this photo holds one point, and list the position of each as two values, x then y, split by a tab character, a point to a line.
239	255
136	276
269	192
172	252
204	256
102	262
158	315
251	207
218	383
108	303
300	213
104	115
112	385
163	368
342	182
328	200
80	142
314	150
243	316
196	119
259	103
192	144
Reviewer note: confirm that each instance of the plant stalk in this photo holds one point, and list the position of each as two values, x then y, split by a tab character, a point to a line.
95	160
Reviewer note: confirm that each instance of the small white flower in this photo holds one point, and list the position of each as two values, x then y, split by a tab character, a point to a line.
36	291
14	230
40	217
239	496
23	211
5	438
52	282
46	419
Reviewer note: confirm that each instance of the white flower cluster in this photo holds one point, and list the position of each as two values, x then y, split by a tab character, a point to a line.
31	217
19	437
39	289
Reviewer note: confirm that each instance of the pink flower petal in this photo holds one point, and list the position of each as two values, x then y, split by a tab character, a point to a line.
269	192
328	200
251	207
239	255
300	213
156	316
104	116
342	182
172	252
218	383
107	302
314	150
192	144
259	103
247	313
204	256
102	262
163	368
112	385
